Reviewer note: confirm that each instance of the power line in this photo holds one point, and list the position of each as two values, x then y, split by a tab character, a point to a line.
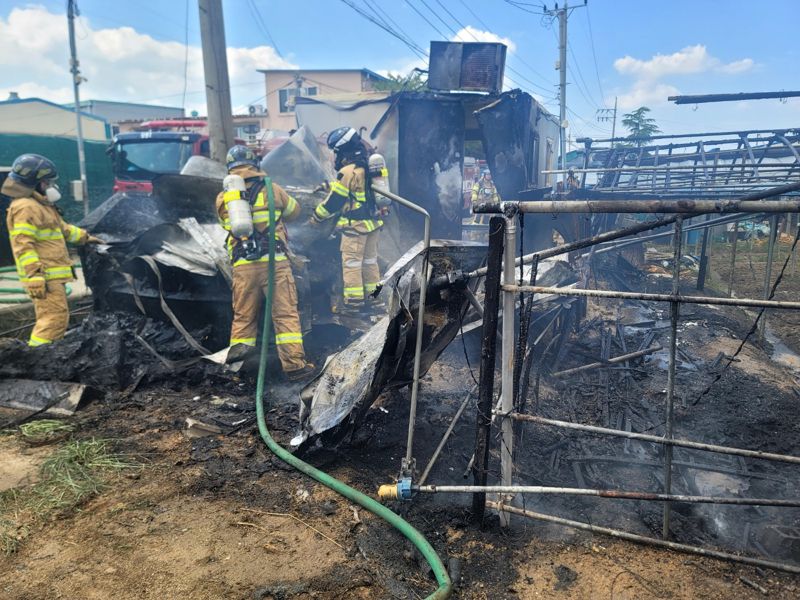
386	17
262	24
441	20
588	95
522	6
594	56
424	18
407	41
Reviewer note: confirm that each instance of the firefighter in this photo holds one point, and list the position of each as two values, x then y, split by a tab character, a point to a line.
483	191
243	210
39	239
352	202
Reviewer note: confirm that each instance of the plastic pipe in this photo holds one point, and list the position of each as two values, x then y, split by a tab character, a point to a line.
415	537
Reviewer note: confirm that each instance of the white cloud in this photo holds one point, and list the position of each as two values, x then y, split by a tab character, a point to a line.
646	93
120	64
648	89
690	60
472	34
737	66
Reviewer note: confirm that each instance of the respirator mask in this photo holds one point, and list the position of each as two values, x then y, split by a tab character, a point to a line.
52	194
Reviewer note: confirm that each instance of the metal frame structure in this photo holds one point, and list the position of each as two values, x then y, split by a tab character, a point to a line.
508	289
694	165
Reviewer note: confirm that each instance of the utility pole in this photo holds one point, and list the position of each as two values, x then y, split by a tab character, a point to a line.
562	84
563	15
215	67
609	114
82	194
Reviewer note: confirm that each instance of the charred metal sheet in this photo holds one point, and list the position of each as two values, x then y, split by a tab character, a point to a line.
298	162
340	397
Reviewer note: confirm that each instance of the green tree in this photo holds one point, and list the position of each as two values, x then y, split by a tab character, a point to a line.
413	82
641	127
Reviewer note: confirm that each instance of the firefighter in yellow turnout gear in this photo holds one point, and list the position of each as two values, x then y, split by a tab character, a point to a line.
246	194
39	239
358	220
483	191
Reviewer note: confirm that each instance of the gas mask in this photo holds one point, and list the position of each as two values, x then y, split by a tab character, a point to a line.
51	194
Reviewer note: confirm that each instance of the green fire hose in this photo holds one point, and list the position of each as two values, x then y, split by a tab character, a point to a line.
415	537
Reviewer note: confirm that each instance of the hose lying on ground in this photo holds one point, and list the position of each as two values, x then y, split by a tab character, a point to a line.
414	536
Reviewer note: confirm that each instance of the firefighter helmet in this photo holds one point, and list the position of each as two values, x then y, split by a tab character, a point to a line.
31	169
343	138
240	155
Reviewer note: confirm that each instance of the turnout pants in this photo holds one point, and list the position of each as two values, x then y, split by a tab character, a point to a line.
360	272
249	289
52	315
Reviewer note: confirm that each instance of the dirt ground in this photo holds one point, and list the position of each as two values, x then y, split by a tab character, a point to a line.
219	517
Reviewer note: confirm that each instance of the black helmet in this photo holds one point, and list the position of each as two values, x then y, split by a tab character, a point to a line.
343	138
31	169
240	155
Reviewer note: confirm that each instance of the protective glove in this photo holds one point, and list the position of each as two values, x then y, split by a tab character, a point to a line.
36	288
94	240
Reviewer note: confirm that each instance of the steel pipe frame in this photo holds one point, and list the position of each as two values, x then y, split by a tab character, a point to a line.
612	361
407	466
671	367
507	357
644	437
615	494
641	539
577	292
642	206
662	167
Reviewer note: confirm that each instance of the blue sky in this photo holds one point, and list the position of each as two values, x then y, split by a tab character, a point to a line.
641	52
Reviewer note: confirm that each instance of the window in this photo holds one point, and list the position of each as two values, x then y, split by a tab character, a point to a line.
286	97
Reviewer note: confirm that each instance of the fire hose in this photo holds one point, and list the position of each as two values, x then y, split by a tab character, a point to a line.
412	534
16	290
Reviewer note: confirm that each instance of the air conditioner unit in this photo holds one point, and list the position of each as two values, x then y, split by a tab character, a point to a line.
255	109
467	66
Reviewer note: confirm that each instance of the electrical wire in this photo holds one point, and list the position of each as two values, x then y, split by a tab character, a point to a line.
441	20
424	18
594	56
416	49
261	23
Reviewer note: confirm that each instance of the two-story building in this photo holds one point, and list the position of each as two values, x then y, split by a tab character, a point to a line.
283	85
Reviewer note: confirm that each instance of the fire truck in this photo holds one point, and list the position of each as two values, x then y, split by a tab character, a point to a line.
156	148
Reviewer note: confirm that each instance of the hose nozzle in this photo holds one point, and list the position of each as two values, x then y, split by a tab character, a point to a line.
396	491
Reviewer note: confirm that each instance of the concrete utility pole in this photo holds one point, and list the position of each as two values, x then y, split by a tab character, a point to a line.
215	67
563	15
82	194
562	84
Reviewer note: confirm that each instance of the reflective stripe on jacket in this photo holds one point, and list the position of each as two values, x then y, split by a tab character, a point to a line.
348	199
39	235
286	209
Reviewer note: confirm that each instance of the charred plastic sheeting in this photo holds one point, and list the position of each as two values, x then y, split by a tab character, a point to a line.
50	397
383	357
168	248
298	162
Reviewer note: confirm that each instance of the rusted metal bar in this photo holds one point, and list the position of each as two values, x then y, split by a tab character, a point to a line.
773	238
701	98
617	359
733	257
616	494
673	345
435	456
701	272
646	206
644	437
641	539
497	228
749	302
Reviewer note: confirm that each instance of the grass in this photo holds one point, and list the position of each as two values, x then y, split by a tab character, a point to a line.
73	474
44	430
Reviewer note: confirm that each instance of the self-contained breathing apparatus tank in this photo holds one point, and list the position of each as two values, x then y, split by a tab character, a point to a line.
379	176
240	215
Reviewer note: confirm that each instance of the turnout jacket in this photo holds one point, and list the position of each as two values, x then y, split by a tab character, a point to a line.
286	209
39	235
348	199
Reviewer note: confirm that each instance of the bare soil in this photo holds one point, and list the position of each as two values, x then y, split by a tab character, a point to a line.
219	517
